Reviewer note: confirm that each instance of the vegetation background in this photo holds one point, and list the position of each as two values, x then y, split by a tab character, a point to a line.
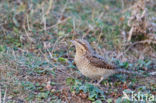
36	55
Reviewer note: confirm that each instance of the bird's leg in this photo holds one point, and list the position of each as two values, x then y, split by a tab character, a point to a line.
98	83
101	79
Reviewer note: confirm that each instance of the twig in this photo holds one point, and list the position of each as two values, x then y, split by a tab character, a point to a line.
0	96
28	25
63	21
44	20
27	34
135	43
4	98
50	6
130	34
55	45
140	42
59	21
122	2
65	73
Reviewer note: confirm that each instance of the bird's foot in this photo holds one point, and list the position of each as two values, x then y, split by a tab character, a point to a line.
97	82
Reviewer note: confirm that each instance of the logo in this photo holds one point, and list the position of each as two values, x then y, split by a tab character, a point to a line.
132	96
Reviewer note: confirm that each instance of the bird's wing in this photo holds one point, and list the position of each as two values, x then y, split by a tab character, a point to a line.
99	61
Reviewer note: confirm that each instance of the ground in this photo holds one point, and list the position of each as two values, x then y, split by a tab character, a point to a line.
36	55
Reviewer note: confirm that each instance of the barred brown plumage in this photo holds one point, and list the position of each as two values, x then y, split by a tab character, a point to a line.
93	65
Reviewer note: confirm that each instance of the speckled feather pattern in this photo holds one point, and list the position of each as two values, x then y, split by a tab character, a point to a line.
91	64
91	71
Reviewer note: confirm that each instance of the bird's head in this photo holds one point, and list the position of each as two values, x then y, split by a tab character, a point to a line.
82	46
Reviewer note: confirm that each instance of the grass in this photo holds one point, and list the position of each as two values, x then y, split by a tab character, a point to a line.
35	50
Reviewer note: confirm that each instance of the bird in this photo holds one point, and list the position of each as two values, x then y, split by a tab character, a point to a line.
91	64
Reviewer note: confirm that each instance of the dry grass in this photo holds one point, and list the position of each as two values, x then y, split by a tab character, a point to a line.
36	56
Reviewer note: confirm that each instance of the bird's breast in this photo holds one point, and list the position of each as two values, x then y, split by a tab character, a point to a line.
82	64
